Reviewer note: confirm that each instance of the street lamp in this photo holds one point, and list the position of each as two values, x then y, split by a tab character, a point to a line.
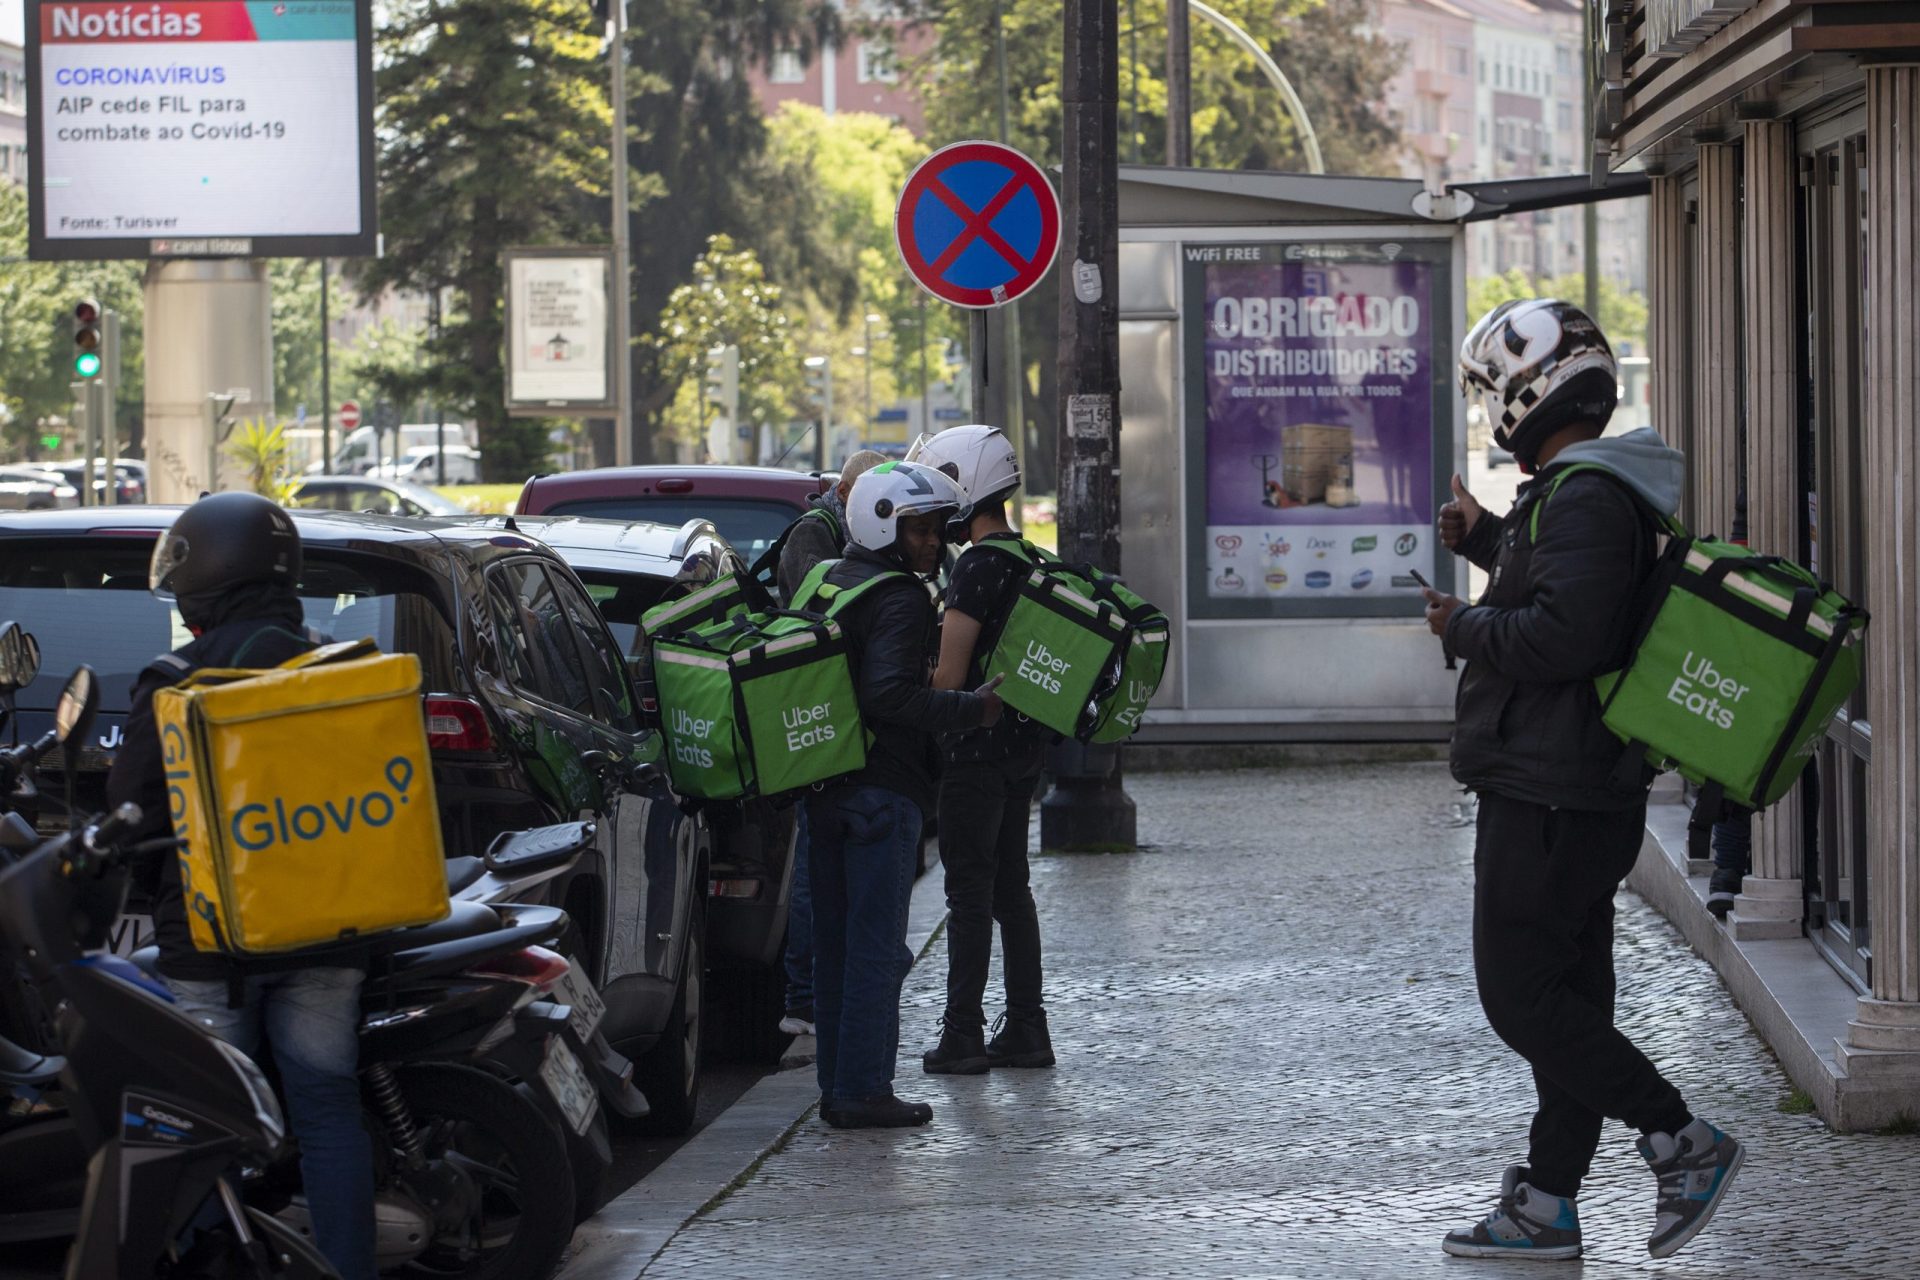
866	358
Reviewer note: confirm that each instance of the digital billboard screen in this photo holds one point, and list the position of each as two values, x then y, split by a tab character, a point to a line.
200	128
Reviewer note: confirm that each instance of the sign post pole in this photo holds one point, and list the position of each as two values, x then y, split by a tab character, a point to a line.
1088	808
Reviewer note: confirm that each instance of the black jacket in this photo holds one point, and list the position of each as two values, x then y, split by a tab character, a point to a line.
890	633
265	638
1555	615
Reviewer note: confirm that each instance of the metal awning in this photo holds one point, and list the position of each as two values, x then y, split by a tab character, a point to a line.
1153	195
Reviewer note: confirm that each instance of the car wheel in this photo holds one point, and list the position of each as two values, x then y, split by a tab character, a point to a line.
670	1072
746	1008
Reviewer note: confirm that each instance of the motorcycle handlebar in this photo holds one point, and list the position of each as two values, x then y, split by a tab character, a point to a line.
112	829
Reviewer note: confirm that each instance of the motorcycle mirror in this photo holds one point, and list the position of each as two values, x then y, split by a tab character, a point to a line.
19	658
73	714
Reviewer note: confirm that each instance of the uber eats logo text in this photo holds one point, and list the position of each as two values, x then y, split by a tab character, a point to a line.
1042	667
807	726
684	727
258	826
1699	688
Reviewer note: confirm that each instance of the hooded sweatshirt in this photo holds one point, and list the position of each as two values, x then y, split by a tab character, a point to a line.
819	534
1558	612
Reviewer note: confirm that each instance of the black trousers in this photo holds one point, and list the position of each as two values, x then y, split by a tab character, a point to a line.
1544	883
983	848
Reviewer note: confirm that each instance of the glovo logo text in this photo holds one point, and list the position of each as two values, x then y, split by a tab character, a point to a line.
1042	667
255	827
808	726
684	727
1699	688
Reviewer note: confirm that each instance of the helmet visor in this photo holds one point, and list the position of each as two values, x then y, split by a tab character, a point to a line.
169	553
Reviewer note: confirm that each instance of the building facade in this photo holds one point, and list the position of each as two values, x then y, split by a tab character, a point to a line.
13	113
864	73
1784	140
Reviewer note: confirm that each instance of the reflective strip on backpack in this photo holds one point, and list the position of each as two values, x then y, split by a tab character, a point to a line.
781	646
695	601
1699	562
677	658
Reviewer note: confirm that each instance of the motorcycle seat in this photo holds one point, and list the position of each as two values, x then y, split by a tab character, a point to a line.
462	872
22	1068
464	920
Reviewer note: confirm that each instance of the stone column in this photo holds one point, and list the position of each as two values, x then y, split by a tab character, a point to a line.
1715	461
1883	1041
1670	316
1771	903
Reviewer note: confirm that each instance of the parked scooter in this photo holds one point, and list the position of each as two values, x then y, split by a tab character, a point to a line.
163	1112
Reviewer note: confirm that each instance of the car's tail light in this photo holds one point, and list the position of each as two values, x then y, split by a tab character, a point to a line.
457	724
675	486
733	889
538	967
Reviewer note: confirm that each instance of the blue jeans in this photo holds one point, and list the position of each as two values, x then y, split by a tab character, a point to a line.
311	1018
1733	844
866	842
800	919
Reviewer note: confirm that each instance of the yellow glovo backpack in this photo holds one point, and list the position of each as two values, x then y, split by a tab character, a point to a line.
304	795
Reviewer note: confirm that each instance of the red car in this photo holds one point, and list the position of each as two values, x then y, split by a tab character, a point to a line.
750	506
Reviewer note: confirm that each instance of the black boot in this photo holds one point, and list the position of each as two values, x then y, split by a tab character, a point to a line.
1020	1039
962	1051
883	1112
1722	889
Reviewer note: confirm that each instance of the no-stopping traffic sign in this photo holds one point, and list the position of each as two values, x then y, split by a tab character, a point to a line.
978	224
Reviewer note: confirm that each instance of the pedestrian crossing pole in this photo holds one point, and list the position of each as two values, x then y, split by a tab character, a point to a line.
1088	807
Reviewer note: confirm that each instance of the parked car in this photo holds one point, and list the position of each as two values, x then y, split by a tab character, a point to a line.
750	506
130	477
1497	457
34	489
531	718
628	567
371	494
421	465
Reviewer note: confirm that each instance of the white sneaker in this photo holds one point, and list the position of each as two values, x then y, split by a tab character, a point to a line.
798	1022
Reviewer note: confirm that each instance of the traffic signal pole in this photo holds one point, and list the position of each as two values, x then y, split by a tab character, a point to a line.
1088	807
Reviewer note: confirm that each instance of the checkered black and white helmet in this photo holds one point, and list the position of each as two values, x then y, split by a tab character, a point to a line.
1536	365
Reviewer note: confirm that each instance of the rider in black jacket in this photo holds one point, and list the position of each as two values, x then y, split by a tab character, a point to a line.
1561	813
866	830
230	564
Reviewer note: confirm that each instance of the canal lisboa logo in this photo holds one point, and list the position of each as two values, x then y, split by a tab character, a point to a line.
257	826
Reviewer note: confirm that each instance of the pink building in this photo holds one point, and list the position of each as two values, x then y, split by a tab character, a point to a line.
1433	95
861	74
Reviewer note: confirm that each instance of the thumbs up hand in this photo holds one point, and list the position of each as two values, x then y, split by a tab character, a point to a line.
1458	517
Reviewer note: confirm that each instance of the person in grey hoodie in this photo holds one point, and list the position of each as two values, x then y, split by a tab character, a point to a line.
1561	814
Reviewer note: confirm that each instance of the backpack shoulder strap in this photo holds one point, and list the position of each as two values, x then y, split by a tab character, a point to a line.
766	567
1665	523
815	587
845	596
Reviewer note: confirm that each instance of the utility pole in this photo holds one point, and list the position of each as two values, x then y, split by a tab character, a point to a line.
1179	85
1590	213
1088	807
1012	415
326	377
623	428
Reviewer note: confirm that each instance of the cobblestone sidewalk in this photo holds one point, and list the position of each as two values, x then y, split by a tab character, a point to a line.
1273	1064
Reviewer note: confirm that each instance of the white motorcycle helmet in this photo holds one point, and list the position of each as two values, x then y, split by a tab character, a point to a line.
979	458
894	489
1537	365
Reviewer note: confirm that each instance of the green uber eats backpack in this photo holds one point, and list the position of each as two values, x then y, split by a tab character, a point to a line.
753	700
1739	663
1080	652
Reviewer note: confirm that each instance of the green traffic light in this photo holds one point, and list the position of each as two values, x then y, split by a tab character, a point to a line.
87	364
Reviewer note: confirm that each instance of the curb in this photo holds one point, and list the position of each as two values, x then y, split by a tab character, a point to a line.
622	1240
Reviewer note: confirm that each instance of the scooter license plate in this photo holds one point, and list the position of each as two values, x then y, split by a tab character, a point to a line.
567	1081
584	1003
130	933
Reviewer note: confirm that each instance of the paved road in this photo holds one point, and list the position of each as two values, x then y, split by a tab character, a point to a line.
1273	1064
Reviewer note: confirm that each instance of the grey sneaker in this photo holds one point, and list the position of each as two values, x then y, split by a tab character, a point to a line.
1528	1223
1695	1167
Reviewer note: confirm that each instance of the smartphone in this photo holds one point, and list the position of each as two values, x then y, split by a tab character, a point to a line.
1415	575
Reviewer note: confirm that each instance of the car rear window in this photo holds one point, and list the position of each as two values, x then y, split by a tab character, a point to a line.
86	601
749	524
621	599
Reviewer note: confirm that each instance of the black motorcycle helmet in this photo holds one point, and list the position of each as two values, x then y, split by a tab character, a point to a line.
222	542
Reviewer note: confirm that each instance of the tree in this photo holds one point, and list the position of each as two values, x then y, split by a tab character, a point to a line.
296	332
36	336
1623	312
701	166
493	123
262	451
729	301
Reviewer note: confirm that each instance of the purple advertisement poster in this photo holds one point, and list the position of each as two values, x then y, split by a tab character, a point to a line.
1319	407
